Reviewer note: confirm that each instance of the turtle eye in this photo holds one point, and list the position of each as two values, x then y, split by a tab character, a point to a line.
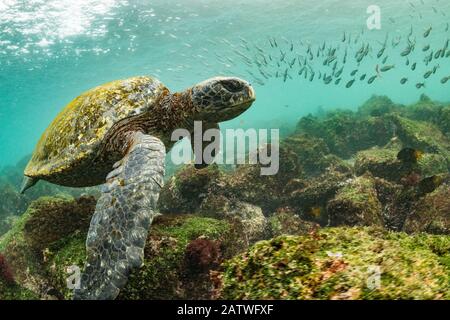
232	86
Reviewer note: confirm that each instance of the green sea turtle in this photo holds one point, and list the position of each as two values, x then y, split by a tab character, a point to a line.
117	135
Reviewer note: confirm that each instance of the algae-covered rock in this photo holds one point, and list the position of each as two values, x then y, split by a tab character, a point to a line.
314	155
444	120
51	219
380	162
185	191
179	254
378	106
311	152
250	217
247	184
346	133
15	292
341	264
23	262
9	290
433	164
48	220
356	204
286	222
387	194
13	203
431	213
309	198
422	136
383	163
434	112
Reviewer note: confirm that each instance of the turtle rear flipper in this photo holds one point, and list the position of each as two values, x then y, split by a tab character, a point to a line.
122	218
27	183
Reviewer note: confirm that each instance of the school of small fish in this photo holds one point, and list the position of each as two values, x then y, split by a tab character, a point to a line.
348	60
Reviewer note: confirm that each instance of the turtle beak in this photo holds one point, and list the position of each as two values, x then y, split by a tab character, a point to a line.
251	97
27	183
251	93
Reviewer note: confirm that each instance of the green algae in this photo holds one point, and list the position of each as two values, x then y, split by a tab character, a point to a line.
15	292
65	253
336	263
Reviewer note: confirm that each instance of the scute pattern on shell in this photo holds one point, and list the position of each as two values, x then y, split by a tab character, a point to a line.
77	132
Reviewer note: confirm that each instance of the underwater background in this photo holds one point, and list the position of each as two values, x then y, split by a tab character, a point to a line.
364	117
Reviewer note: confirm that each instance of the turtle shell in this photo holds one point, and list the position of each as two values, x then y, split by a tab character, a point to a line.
78	131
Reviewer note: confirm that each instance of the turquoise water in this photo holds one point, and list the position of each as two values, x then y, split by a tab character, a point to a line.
51	51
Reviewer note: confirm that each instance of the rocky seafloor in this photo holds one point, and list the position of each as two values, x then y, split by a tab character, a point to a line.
343	219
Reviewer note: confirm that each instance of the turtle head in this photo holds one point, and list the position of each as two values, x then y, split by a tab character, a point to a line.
221	98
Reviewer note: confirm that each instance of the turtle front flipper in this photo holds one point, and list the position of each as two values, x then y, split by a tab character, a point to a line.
122	218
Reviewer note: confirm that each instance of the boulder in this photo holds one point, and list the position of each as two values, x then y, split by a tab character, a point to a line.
422	136
380	162
312	152
346	133
286	222
50	219
378	106
185	191
433	112
383	163
431	213
309	198
356	204
250	217
266	191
